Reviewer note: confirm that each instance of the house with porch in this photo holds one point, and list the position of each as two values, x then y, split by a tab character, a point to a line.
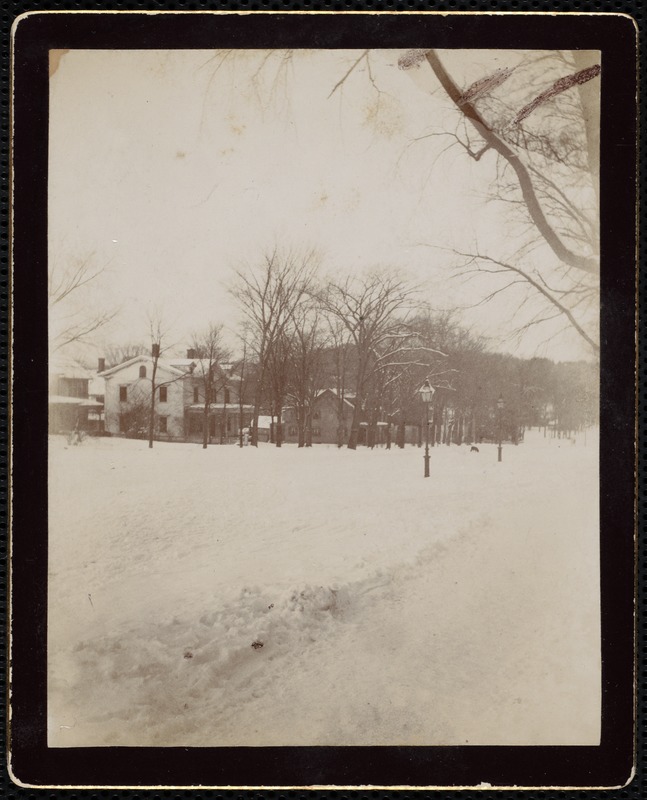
71	405
180	385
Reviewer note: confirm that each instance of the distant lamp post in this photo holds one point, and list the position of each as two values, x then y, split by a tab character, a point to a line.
427	395
500	404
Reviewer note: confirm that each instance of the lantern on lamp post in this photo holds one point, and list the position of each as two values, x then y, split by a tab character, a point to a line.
500	404
426	392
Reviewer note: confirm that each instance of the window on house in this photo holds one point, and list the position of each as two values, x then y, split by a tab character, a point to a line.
163	424
196	394
227	396
292	431
163	394
122	424
142	372
123	394
316	432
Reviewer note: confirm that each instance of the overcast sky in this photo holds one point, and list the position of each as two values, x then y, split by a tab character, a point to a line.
171	168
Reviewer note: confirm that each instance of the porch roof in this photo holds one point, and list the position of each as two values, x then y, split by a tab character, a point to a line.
63	400
233	407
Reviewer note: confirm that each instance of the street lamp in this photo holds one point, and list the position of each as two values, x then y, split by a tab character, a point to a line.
500	404
427	395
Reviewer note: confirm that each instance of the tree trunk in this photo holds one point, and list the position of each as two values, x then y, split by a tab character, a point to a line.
308	430
205	427
354	427
151	422
151	419
402	431
223	427
301	422
340	420
279	425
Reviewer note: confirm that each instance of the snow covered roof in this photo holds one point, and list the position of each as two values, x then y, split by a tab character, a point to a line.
202	367
63	400
334	392
173	365
68	368
89	403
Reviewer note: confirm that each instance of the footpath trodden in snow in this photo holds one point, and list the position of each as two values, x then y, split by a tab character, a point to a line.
323	597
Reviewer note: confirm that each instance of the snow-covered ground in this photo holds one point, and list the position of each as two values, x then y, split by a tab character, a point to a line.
392	609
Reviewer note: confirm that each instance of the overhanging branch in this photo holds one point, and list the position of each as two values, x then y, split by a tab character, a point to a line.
493	141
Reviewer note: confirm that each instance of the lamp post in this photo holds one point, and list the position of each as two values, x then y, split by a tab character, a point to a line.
499	405
426	394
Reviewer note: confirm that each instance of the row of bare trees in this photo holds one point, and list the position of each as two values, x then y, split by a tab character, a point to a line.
368	338
372	340
353	335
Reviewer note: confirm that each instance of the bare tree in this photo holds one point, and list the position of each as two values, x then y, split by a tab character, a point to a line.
210	354
539	121
117	354
279	364
406	364
268	297
543	133
242	390
158	335
340	352
306	371
73	319
373	310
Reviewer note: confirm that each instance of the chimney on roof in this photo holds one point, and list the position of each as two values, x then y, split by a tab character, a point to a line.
190	353
155	350
101	365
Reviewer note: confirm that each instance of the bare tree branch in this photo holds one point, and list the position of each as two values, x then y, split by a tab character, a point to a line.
496	143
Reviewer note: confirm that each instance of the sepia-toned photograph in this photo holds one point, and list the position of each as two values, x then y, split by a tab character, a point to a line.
323	461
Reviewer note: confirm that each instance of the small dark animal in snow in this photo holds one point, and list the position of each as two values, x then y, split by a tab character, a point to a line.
257	645
188	654
474	449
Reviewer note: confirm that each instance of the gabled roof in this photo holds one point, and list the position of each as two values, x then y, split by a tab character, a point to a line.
171	365
181	363
335	393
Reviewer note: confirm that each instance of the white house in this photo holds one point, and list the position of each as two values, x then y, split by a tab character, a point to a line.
180	386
